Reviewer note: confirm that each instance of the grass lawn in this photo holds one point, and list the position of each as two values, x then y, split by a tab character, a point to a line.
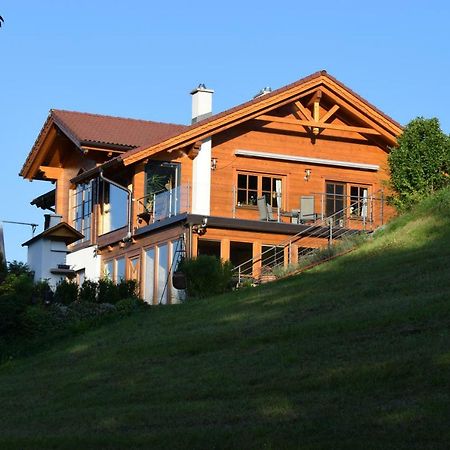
352	354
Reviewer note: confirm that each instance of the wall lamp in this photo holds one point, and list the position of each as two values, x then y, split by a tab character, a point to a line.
213	163
307	174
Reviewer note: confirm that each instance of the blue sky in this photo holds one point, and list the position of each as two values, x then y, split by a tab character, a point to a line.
140	59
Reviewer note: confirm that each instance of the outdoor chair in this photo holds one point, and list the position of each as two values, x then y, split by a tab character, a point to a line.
265	210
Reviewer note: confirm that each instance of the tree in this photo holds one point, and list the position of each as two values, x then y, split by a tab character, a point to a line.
420	164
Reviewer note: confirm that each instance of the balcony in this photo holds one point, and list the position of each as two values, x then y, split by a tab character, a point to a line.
162	205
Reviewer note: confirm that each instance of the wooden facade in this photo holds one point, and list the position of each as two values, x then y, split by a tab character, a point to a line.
303	140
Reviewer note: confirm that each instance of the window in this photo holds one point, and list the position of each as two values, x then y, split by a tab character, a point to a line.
272	256
356	207
114	269
81	209
108	269
335	198
247	193
114	207
176	255
207	247
358	201
162	187
162	281
120	270
149	275
135	268
251	186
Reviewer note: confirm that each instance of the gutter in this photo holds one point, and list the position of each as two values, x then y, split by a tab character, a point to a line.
92	173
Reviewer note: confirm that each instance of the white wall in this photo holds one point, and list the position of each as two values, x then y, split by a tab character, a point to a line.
201	180
44	255
86	259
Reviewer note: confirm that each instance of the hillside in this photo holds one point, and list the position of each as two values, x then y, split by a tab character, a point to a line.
353	354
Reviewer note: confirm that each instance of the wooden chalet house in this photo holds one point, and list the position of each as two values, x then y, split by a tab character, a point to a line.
266	180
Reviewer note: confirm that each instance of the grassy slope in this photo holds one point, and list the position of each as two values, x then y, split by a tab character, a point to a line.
352	354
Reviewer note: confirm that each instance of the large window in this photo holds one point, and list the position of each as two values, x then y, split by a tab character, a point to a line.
81	206
335	199
114	207
162	188
358	201
252	186
272	256
346	200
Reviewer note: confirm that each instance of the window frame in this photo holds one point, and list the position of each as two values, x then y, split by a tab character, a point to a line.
259	189
82	197
347	197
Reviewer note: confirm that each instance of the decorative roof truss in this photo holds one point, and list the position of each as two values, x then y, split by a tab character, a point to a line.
308	116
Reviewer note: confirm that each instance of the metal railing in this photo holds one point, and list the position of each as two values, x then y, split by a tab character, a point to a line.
163	204
359	212
325	228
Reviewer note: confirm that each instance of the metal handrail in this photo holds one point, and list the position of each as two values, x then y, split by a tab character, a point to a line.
321	222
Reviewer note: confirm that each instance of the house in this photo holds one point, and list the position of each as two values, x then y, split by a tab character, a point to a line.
256	184
47	251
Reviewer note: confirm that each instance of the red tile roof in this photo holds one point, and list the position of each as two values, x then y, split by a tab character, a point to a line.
99	129
85	128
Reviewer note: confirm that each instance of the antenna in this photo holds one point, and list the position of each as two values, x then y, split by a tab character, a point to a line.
32	225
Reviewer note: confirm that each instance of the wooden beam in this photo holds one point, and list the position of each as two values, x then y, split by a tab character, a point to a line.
392	140
52	173
317	96
330	126
302	115
304	111
193	150
330	113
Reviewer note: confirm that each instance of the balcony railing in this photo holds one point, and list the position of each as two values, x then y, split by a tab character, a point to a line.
162	205
357	212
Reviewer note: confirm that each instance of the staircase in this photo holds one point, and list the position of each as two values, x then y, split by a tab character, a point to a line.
265	266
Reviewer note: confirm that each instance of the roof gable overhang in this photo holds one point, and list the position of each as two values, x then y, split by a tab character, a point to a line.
372	119
60	232
52	128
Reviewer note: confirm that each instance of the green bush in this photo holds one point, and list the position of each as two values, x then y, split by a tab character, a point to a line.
107	292
37	319
128	305
42	293
127	289
19	268
88	292
206	276
66	292
15	294
12	306
420	164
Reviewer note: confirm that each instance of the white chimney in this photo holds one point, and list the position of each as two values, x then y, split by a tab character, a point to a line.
201	103
201	167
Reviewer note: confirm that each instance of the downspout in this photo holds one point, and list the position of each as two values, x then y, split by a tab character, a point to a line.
130	201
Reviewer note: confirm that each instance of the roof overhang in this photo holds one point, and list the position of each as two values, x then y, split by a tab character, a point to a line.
45	201
60	232
369	115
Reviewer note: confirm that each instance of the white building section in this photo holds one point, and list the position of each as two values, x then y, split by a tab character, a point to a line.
201	170
201	180
48	250
86	263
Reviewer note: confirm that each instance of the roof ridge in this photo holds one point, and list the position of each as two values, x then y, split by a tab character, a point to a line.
53	110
